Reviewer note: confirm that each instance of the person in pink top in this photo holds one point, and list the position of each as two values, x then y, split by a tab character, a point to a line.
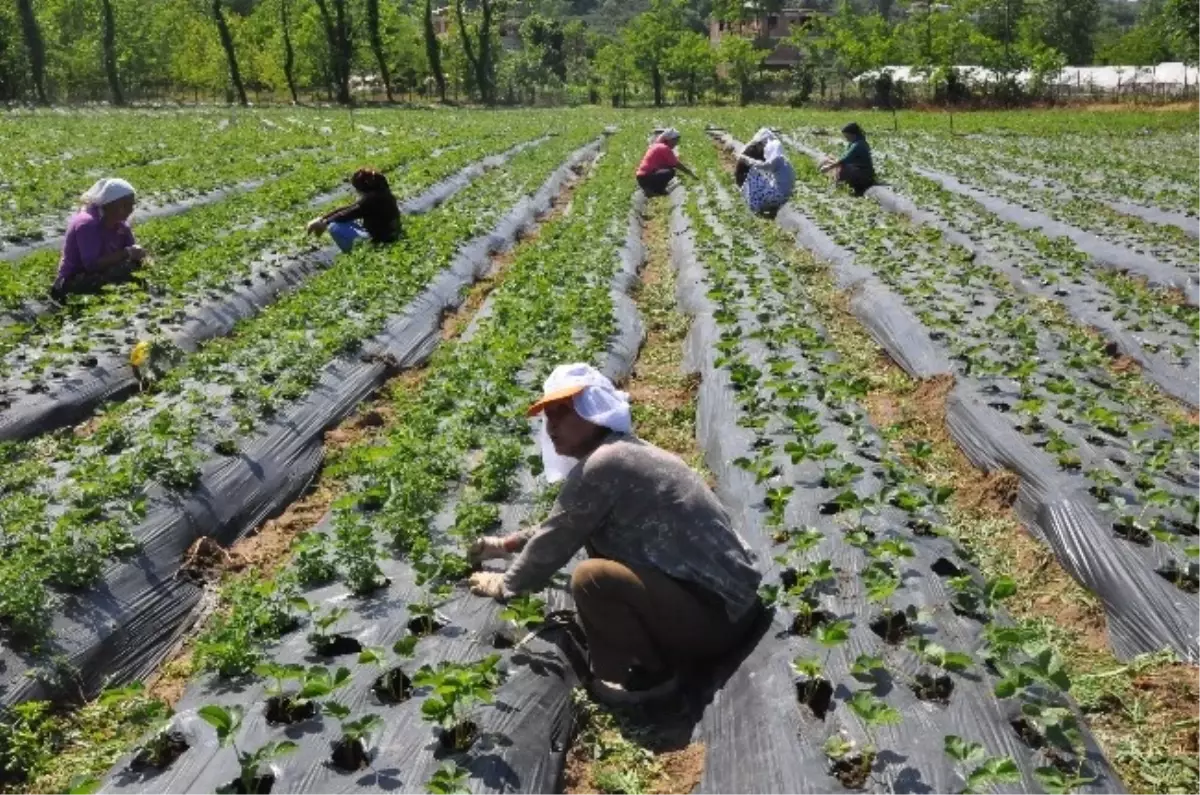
99	248
658	166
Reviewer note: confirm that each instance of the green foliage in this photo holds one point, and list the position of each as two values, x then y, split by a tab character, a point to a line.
449	779
979	771
525	612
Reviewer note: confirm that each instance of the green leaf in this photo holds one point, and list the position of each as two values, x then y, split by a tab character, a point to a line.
961	750
406	646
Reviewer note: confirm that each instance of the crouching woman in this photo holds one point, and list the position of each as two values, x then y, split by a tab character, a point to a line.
375	216
668	583
99	248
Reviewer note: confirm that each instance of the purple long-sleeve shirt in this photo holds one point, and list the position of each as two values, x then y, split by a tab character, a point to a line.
88	240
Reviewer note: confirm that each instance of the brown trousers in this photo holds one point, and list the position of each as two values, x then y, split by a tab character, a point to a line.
643	617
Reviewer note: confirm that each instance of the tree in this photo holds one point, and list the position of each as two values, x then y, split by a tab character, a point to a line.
1181	24
691	64
650	35
1068	26
289	52
235	74
615	66
546	39
743	60
337	34
479	59
36	47
110	53
433	51
377	45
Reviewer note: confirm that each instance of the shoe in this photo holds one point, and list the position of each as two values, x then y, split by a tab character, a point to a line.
639	688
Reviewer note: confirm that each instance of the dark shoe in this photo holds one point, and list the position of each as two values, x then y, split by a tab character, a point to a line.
640	687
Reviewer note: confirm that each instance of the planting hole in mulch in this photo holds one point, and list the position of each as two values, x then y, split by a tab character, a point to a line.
816	694
337	645
1185	579
281	709
830	508
393	687
260	786
788	578
1001	407
159	751
852	771
943	567
349	757
502	640
424	625
1028	733
892	626
1127	529
1184	527
460	737
805	623
933	688
922	527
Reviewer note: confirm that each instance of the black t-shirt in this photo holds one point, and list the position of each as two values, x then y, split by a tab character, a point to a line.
378	212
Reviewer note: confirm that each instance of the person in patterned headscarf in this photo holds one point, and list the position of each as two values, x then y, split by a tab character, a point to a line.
668	582
765	175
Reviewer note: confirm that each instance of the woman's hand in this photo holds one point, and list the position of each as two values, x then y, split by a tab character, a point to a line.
487	583
136	253
316	226
487	548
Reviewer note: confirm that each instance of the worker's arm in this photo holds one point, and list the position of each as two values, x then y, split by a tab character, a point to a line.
581	508
686	170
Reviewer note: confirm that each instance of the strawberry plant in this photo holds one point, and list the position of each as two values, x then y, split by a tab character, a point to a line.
350	750
227	721
456	689
979	771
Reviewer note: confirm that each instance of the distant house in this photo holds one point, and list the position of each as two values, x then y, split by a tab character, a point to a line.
768	30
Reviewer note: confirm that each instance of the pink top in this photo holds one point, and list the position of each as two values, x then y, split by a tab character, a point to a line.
88	239
658	157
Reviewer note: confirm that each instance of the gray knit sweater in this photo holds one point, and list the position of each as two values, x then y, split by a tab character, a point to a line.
635	503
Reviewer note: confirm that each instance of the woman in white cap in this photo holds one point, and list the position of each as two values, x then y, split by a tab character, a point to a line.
668	582
99	248
658	165
765	175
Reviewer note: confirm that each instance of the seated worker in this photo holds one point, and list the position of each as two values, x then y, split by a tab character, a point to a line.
99	248
769	177
855	167
658	165
375	216
668	583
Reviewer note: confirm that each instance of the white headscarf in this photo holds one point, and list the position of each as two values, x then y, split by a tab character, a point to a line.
772	146
594	398
106	191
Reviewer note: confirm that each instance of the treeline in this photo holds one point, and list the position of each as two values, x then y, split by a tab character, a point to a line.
521	51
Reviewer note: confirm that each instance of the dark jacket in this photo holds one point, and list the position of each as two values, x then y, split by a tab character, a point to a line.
378	212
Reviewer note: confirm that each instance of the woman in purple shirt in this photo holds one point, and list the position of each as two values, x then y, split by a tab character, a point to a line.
99	248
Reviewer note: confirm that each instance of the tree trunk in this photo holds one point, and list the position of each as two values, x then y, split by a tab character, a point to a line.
486	78
36	47
110	53
433	51
337	36
289	54
377	45
235	74
468	47
656	81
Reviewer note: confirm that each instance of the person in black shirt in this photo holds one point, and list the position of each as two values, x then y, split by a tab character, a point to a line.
855	167
375	216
